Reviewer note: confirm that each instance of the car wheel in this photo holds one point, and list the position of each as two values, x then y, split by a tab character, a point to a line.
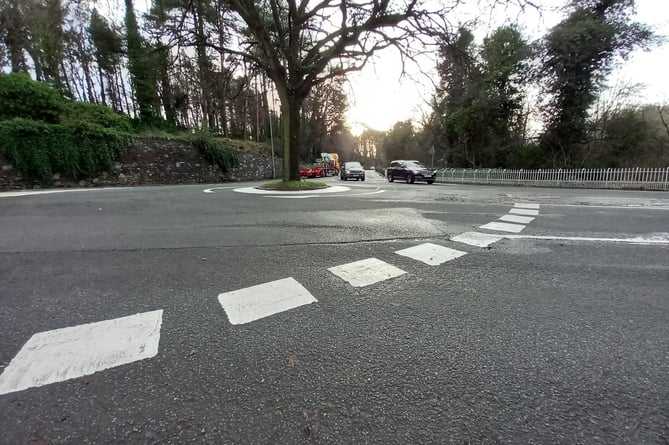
390	178
362	179
431	181
410	179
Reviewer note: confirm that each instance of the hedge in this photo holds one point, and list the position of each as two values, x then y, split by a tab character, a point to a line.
38	149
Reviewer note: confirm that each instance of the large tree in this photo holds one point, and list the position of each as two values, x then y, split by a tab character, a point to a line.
478	109
142	67
300	44
578	56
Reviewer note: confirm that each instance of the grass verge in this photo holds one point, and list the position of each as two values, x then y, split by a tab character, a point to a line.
293	186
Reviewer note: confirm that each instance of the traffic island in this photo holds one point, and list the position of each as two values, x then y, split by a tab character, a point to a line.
293	186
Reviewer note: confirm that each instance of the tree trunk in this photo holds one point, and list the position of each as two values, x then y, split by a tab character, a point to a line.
203	65
103	95
290	109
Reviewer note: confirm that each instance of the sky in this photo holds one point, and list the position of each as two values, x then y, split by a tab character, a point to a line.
379	97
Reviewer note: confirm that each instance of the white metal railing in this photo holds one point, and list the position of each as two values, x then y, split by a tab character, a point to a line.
605	178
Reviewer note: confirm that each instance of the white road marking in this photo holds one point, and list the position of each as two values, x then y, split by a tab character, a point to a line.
521	205
49	192
211	190
366	272
319	196
661	240
67	353
257	191
376	192
295	197
524	212
255	302
477	239
517	219
623	207
431	254
504	227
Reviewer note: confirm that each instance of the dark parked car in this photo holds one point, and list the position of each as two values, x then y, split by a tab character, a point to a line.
410	171
352	170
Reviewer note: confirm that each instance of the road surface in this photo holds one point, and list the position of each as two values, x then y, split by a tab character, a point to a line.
383	313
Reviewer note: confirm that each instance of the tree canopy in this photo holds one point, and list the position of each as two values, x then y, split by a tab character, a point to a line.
254	69
578	55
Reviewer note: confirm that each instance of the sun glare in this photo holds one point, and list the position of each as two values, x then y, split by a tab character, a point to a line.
357	128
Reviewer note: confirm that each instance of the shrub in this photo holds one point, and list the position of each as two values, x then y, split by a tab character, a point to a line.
530	155
215	151
38	149
22	97
86	112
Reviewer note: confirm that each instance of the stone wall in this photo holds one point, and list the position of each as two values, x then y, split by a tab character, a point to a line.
155	161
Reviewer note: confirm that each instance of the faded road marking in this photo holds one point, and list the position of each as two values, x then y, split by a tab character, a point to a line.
431	254
524	212
366	272
503	227
477	239
255	302
517	219
67	353
659	240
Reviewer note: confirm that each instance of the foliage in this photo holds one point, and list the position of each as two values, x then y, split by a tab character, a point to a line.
627	137
38	149
22	97
143	75
578	55
215	151
323	119
107	42
528	156
86	112
478	118
401	143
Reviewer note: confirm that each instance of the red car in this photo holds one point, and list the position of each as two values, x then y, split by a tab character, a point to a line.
311	172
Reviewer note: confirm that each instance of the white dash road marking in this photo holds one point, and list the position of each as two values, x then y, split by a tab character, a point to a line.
517	219
255	302
521	205
524	212
366	272
477	239
67	353
504	227
431	254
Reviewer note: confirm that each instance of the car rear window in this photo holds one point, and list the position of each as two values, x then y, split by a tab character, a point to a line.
415	164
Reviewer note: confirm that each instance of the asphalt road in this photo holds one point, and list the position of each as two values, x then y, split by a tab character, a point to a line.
556	334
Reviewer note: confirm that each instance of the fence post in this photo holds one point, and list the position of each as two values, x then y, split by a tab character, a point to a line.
666	179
